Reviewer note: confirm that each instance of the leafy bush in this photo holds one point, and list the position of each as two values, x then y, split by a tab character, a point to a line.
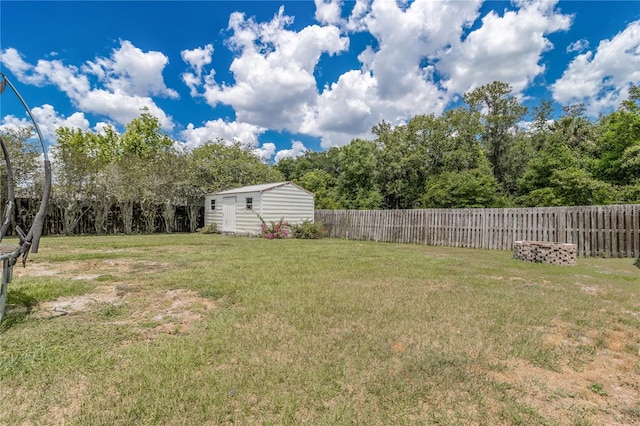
471	188
629	194
275	230
211	229
308	230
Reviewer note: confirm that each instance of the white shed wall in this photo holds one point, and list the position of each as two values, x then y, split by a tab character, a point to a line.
247	221
212	216
287	202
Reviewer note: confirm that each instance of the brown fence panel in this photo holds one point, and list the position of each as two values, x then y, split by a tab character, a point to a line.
612	231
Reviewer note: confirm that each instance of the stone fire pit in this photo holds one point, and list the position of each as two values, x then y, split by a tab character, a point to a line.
546	252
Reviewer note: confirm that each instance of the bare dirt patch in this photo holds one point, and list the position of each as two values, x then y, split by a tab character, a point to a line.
124	300
601	387
149	311
89	269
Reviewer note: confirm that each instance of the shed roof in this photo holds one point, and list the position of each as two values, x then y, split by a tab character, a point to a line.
259	188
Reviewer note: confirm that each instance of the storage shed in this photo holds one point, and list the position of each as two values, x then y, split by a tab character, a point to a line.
237	210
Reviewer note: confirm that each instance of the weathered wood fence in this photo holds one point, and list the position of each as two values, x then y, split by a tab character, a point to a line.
612	231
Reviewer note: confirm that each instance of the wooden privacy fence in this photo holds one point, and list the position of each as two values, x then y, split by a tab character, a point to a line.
612	231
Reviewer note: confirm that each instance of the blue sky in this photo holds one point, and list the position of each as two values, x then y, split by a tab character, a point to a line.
289	76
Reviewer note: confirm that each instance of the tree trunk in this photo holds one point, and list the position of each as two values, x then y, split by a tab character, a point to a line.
148	216
69	217
126	211
193	216
101	211
169	216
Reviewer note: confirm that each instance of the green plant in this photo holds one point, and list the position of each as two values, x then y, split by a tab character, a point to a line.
210	229
597	388
275	230
308	230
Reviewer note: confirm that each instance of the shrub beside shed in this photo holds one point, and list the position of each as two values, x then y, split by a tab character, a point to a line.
236	210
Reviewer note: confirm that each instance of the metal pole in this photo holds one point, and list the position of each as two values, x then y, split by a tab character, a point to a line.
26	107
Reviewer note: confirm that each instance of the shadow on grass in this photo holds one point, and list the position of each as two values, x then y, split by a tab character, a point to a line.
637	263
22	304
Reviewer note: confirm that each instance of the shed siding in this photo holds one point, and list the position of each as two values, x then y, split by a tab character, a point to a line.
213	216
287	202
247	220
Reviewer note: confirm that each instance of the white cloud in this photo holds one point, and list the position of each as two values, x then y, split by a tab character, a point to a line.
265	152
393	84
273	70
246	134
328	11
132	72
359	11
423	57
578	46
12	59
345	110
48	121
192	81
275	86
505	48
197	59
297	149
101	127
122	108
407	37
601	80
129	78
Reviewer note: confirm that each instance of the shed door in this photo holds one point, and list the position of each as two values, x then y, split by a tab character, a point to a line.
229	214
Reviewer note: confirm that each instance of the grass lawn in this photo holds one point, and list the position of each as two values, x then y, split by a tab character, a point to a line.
211	329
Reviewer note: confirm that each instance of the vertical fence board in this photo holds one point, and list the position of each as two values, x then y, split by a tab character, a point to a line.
614	231
634	215
596	230
628	220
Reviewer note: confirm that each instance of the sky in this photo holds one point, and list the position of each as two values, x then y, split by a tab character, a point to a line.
283	77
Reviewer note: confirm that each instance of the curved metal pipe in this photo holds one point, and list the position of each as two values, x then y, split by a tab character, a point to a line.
31	240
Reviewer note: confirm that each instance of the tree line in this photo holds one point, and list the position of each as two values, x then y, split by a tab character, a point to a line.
140	171
476	155
481	155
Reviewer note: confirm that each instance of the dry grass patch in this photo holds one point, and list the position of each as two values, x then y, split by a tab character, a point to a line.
150	311
598	383
210	329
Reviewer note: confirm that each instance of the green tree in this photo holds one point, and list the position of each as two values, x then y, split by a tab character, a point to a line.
357	184
578	132
554	156
402	161
619	161
216	166
25	162
555	177
105	149
472	188
74	170
426	146
26	169
143	146
143	138
576	187
521	151
293	169
323	186
500	114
